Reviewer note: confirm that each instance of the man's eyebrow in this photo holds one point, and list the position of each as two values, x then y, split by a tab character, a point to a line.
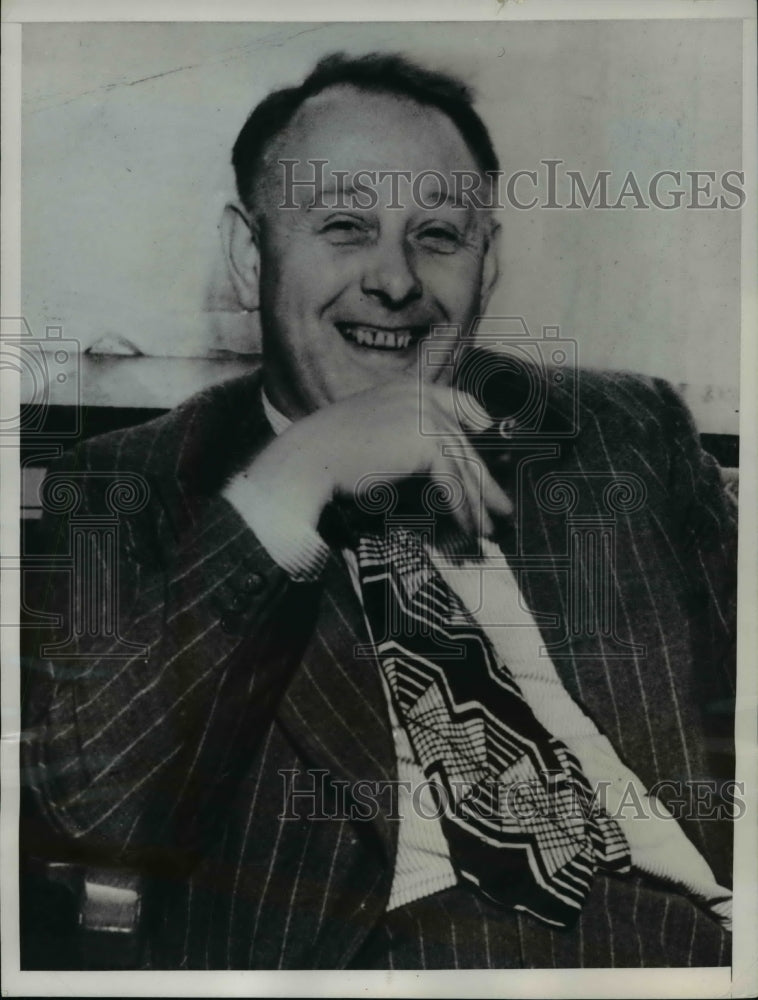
331	188
450	199
342	186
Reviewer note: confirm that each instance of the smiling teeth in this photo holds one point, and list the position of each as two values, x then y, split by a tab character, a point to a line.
370	337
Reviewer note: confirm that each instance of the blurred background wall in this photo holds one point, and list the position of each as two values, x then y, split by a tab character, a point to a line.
127	131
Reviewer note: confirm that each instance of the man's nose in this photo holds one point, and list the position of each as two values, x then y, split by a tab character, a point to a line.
389	274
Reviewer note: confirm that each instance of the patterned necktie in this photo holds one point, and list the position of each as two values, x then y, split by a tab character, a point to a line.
514	805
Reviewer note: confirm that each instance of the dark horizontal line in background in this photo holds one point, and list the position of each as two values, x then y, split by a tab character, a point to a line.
725	448
68	425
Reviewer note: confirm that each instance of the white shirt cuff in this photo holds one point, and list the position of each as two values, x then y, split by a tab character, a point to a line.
290	541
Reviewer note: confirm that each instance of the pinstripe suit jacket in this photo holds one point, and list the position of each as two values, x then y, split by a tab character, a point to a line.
177	758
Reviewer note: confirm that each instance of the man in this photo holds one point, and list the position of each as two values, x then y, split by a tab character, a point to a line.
268	689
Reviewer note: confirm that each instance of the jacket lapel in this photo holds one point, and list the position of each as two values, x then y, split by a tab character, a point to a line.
335	708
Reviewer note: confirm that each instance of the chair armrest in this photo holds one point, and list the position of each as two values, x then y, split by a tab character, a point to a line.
99	913
110	918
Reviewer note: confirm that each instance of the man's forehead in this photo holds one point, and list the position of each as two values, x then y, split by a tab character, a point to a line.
372	129
349	99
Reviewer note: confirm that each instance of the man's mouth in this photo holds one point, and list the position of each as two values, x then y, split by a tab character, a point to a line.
379	337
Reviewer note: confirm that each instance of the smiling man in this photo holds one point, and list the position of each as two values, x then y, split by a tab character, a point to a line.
328	748
344	294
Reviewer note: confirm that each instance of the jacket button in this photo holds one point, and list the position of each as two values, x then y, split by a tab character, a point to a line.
228	623
236	603
253	583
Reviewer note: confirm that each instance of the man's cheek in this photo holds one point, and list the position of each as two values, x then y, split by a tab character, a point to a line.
320	272
453	279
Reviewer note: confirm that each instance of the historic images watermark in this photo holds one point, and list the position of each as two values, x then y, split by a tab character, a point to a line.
87	545
47	368
550	185
315	794
90	559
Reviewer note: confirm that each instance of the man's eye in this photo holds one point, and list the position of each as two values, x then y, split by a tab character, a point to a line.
439	239
344	231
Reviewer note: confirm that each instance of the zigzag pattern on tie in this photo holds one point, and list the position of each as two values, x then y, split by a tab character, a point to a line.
477	741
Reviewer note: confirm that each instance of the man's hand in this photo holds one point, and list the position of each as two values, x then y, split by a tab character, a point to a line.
326	455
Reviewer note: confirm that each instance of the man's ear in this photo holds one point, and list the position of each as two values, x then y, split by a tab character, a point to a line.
490	264
239	238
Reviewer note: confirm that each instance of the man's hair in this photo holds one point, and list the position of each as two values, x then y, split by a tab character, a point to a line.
377	72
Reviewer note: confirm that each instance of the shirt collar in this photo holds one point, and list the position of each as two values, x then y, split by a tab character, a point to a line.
277	420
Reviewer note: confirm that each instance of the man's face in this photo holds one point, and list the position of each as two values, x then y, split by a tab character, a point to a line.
347	292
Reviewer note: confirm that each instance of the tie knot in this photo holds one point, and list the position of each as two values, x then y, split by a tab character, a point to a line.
399	547
401	553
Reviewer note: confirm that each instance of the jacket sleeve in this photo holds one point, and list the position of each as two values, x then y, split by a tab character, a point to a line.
705	513
126	746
